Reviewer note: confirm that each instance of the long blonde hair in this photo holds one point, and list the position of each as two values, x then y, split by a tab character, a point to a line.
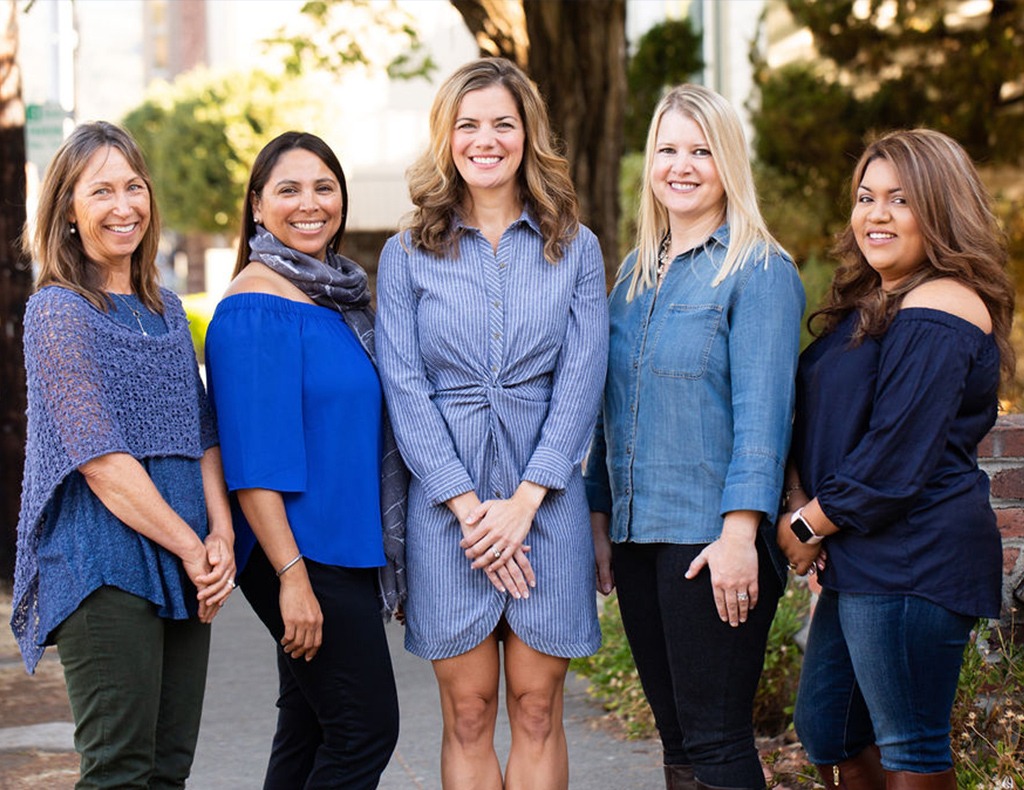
748	234
437	190
60	253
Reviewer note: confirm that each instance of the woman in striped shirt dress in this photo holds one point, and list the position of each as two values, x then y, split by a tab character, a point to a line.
492	333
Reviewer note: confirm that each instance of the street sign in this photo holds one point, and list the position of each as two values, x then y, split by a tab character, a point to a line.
44	132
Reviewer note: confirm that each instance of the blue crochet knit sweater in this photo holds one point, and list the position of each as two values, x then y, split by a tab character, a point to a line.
96	387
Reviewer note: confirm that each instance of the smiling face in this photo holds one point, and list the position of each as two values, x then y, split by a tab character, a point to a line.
487	140
886	229
684	177
110	209
301	203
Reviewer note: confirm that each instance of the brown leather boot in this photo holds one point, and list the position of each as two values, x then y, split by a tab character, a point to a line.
679	777
862	772
906	780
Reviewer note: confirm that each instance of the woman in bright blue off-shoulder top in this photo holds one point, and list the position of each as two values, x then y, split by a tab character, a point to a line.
292	379
889	504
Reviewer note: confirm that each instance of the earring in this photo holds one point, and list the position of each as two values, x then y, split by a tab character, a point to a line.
74	229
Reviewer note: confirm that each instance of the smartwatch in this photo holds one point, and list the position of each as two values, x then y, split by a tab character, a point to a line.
803	531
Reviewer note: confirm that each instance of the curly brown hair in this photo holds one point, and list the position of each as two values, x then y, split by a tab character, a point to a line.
962	240
438	191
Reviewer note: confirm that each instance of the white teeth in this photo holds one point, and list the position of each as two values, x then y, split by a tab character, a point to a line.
123	228
681	187
486	160
308	225
878	235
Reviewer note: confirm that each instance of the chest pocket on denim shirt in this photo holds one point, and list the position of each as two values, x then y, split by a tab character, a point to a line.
682	344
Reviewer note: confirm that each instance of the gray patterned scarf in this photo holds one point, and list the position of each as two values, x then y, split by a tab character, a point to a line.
341	284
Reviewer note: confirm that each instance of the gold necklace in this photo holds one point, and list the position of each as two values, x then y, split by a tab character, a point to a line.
133	311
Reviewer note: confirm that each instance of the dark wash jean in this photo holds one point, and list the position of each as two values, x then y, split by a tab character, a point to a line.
698	673
136	683
880	668
337	721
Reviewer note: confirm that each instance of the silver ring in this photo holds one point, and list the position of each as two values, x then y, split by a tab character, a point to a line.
496	553
791	566
231	583
741	596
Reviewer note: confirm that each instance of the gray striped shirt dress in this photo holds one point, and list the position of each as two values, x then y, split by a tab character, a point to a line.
493	365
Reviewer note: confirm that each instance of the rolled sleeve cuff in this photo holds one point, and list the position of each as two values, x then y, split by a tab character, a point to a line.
446	482
599	496
549	468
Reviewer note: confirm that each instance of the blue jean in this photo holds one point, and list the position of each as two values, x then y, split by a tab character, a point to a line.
881	669
337	719
699	674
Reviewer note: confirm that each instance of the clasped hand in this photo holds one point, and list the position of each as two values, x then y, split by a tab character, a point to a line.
493	535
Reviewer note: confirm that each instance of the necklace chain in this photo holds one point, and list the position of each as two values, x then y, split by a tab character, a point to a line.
133	311
663	261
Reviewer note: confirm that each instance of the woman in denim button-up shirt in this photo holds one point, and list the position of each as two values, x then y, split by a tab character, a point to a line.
689	457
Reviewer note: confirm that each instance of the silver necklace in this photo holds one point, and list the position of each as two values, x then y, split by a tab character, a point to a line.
133	311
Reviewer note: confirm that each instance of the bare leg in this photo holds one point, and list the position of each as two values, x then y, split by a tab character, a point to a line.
468	685
539	757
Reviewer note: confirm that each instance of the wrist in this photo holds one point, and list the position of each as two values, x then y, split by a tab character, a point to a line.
530	493
803	529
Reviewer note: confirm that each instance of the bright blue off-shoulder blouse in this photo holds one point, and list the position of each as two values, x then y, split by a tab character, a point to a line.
886	437
298	405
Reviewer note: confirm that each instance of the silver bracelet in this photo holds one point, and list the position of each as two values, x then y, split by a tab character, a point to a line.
288	565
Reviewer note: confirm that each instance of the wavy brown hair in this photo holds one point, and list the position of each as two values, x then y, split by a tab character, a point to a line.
962	240
59	252
438	191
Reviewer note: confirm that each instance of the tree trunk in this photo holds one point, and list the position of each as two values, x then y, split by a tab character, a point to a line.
15	286
576	53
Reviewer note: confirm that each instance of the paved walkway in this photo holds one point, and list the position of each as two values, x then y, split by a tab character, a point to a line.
239	715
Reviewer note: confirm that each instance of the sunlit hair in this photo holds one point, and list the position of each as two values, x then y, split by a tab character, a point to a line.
261	169
723	132
59	252
962	239
438	191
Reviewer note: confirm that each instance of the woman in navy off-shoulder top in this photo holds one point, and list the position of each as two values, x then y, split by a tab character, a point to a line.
892	400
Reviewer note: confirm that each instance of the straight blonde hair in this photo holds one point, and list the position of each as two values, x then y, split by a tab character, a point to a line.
748	235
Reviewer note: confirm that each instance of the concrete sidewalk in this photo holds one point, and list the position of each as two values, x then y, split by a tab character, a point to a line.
239	716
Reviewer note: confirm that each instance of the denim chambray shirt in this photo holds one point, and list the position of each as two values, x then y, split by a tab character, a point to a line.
698	405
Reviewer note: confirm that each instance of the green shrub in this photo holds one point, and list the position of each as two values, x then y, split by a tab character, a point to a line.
199	310
987	727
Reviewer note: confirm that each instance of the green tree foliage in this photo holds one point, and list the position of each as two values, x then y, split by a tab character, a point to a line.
666	55
200	135
883	64
333	36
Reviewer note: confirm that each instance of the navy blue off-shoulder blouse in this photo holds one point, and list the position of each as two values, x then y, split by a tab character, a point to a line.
886	436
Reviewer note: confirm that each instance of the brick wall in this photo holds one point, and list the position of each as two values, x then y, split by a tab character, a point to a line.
1001	455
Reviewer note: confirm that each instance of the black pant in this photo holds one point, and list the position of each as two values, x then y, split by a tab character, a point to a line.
698	673
337	721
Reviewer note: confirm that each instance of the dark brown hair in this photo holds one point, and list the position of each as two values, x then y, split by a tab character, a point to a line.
962	239
261	169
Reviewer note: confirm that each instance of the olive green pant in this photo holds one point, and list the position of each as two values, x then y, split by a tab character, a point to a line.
136	684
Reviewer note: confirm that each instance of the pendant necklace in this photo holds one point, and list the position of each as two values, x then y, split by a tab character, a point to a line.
663	261
133	311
